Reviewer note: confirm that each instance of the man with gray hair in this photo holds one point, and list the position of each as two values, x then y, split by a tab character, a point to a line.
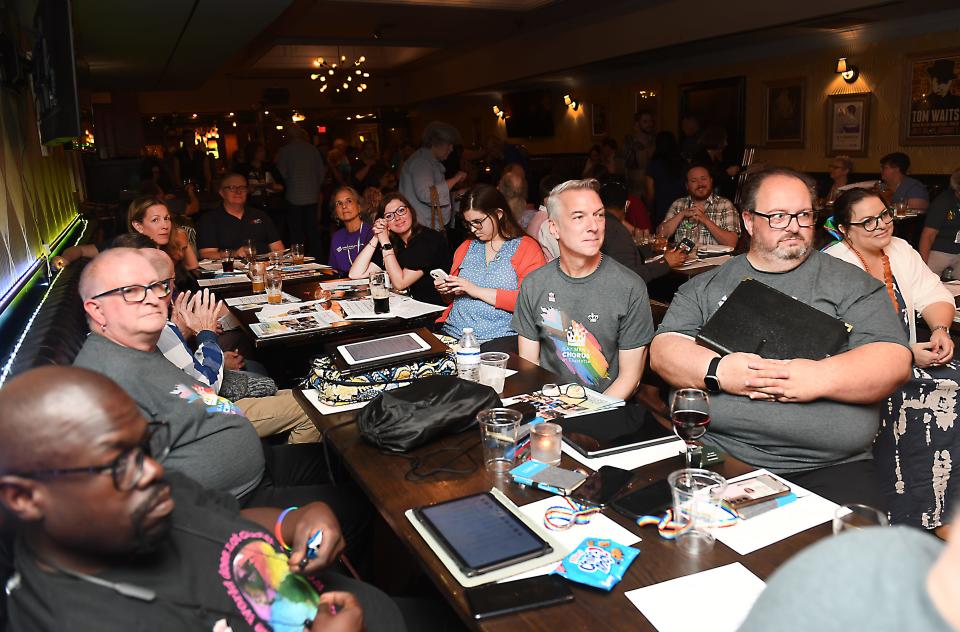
422	178
584	316
938	242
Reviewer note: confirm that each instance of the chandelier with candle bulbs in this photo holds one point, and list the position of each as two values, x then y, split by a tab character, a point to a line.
340	75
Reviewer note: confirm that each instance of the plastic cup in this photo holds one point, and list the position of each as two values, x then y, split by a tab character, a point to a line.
274	283
697	505
545	439
258	272
493	369
498	437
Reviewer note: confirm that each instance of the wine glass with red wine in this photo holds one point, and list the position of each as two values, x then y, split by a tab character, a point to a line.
691	416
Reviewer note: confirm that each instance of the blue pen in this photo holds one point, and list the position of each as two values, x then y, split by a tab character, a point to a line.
313	548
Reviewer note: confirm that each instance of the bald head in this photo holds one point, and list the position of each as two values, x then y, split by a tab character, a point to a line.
49	416
161	262
102	273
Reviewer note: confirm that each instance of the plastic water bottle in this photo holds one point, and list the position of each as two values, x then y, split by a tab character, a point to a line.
468	356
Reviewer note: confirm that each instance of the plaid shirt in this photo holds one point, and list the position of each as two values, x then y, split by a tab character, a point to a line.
721	212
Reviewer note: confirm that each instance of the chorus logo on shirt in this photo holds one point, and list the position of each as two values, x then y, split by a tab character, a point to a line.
209	397
575	346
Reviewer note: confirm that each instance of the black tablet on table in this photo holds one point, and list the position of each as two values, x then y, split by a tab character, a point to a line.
609	432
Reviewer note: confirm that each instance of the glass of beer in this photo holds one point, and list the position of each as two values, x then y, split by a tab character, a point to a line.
379	292
274	286
258	273
296	253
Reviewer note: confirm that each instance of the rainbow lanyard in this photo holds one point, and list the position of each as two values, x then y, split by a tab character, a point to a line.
561	518
669	529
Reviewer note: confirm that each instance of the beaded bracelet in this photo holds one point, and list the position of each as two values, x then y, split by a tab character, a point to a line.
278	527
945	328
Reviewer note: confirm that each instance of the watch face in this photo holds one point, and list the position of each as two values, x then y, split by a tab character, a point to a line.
712	383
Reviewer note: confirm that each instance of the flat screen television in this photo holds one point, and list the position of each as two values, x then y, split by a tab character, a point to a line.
54	73
530	113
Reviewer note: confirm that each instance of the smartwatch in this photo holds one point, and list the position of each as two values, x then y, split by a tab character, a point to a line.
710	379
386	247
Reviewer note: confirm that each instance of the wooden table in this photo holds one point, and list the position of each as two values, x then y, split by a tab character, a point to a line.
382	479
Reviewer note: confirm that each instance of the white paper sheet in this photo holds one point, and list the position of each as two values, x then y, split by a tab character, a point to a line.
255	301
631	459
325	409
809	510
303	267
400	307
706	263
345	283
723	598
229	322
225	280
600	527
279	312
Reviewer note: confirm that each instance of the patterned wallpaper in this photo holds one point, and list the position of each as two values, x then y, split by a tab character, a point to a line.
38	194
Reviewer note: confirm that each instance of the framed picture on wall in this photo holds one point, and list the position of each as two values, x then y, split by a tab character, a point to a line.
848	124
598	119
930	111
783	113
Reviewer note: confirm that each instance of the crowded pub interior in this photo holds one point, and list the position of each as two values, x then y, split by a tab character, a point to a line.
353	315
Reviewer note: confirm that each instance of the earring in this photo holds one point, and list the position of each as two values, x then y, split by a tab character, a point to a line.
103	327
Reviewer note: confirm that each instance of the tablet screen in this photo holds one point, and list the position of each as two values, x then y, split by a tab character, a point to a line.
380	348
481	533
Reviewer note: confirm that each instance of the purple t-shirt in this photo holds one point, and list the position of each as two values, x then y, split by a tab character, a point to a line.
344	246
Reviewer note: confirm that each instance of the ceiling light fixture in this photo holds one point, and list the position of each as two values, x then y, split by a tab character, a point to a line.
340	72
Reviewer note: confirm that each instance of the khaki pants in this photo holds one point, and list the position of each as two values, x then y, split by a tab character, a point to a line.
278	414
939	261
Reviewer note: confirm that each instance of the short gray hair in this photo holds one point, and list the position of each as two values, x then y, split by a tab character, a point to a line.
553	200
440	133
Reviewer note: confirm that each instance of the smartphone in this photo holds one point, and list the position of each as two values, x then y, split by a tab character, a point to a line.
686	245
602	486
754	490
438	274
493	600
651	500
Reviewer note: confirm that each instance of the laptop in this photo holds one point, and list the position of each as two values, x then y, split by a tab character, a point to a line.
609	432
756	318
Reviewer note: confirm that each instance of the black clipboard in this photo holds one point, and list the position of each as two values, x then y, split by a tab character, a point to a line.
437	348
756	318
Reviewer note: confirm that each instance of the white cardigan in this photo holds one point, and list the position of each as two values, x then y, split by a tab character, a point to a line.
919	286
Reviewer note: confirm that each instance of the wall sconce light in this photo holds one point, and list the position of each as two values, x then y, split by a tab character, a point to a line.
500	114
570	103
849	72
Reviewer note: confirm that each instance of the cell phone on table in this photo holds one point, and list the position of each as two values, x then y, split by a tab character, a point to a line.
651	500
438	274
754	490
602	486
493	600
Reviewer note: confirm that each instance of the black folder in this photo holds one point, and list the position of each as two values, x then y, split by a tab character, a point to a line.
756	318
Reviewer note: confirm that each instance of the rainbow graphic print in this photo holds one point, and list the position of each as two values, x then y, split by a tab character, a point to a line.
258	578
575	346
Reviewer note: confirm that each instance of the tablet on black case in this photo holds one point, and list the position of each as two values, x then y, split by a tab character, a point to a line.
480	534
612	431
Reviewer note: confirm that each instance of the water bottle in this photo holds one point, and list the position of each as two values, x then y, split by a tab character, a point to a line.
468	356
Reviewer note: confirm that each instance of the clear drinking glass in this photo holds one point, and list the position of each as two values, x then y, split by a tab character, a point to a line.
690	415
296	254
498	437
854	516
274	283
697	506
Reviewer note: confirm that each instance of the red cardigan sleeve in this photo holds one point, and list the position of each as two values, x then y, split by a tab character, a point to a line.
458	257
527	258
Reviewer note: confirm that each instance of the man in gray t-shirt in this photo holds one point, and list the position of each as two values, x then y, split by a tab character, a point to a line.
583	316
797	415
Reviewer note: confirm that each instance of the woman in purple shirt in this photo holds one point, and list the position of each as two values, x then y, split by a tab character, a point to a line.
349	240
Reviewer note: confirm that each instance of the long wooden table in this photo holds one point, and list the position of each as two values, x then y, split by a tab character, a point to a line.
382	478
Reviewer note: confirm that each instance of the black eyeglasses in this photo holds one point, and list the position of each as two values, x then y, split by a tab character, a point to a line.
475	224
236	188
573	391
137	293
871	224
779	220
127	468
400	212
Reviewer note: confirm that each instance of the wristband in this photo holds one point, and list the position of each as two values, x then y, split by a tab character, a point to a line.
945	328
278	527
386	247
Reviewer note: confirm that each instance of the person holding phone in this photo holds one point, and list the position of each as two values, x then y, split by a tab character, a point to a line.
407	250
483	284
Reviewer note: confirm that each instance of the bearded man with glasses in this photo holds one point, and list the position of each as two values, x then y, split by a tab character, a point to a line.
812	421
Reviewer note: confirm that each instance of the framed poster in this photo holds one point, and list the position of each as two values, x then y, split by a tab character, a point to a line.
783	112
848	124
930	112
598	119
718	102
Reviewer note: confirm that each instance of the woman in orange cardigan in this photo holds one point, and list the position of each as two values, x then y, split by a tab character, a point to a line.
488	269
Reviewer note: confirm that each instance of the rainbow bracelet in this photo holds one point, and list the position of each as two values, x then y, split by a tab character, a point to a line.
560	518
278	527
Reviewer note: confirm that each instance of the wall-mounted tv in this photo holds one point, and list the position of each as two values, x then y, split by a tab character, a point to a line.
54	73
530	113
